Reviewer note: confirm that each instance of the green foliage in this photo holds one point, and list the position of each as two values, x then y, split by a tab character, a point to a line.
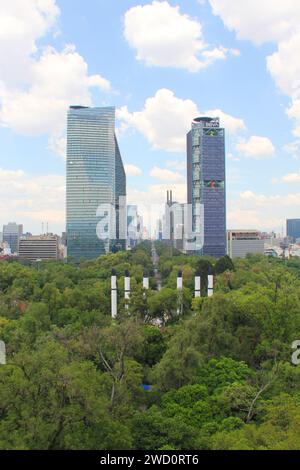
219	371
224	264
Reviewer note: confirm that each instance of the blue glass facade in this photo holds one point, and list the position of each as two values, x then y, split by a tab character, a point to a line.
293	228
95	177
206	180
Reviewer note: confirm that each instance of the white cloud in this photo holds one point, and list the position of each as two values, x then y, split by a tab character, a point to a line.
291	178
294	113
244	219
22	23
292	148
32	199
165	120
284	66
156	194
259	20
233	158
176	165
58	80
97	81
58	145
275	21
132	170
163	36
166	175
231	123
258	198
37	86
257	147
262	212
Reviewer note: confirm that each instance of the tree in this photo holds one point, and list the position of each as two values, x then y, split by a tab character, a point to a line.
48	402
224	264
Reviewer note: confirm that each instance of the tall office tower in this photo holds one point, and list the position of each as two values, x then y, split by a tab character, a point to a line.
206	185
11	235
293	228
96	184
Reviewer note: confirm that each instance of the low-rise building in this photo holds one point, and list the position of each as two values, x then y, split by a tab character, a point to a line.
271	253
240	243
42	247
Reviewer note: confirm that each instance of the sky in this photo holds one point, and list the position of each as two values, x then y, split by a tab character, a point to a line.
161	64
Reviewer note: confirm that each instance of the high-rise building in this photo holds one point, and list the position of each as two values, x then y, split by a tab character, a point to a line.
173	229
134	233
159	230
11	235
206	184
293	228
96	184
42	247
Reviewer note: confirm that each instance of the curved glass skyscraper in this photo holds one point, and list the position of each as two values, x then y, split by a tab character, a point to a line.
207	184
96	184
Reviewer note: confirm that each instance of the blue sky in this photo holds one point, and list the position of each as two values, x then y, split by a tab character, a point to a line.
160	63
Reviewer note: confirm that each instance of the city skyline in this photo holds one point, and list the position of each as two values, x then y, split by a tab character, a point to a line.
97	55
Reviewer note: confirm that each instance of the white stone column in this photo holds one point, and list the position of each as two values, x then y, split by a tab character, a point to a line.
2	353
114	295
197	286
179	280
146	281
127	289
210	284
180	293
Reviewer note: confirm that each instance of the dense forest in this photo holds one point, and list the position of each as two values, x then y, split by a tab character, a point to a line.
219	376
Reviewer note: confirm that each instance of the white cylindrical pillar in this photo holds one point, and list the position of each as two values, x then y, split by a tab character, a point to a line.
210	283
146	281
197	286
2	353
114	295
180	293
179	280
127	289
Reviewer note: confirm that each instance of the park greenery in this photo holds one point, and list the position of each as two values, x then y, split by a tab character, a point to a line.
219	376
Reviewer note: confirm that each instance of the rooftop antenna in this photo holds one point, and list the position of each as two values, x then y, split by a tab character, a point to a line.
42	228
